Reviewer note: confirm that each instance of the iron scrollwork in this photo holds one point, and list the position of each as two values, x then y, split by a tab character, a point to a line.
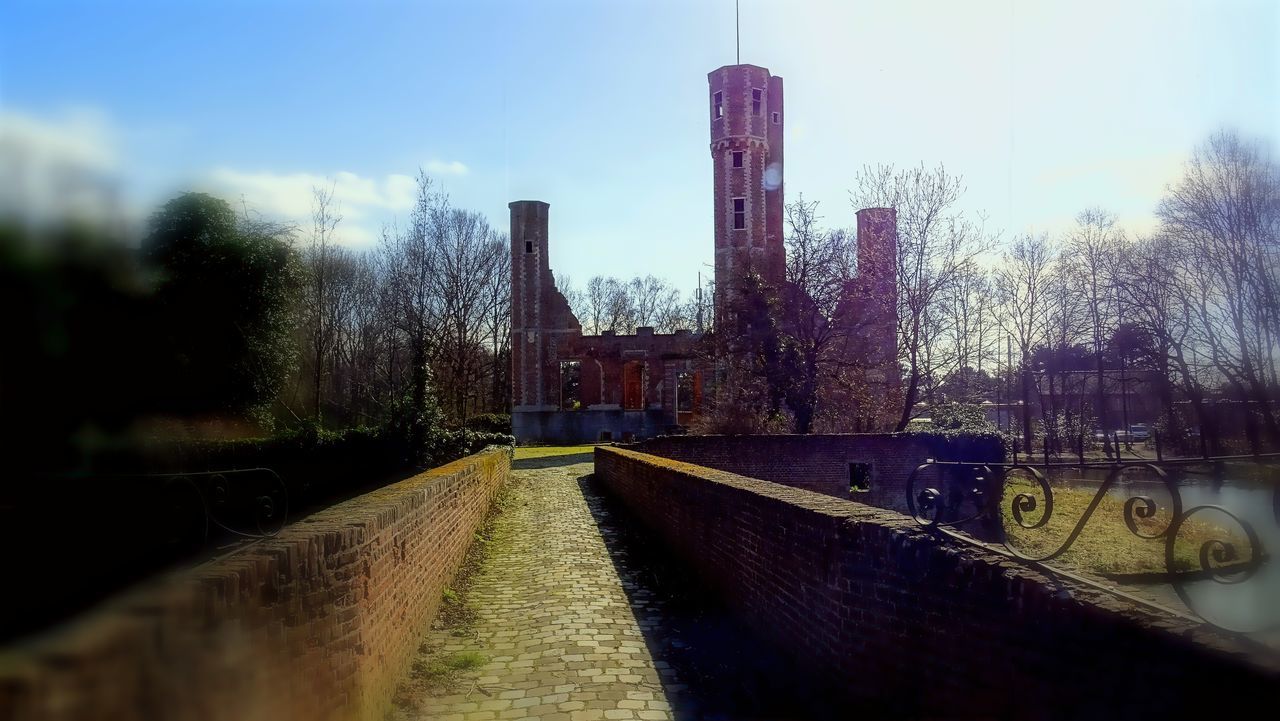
1230	560
244	503
933	507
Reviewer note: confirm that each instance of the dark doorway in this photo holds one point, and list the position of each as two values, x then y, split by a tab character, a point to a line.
633	386
859	477
570	385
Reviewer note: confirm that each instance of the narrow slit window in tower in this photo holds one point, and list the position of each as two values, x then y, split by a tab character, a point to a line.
776	118
739	213
737	159
719	103
756	96
528	246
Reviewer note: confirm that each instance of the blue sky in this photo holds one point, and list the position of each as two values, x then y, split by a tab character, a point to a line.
600	107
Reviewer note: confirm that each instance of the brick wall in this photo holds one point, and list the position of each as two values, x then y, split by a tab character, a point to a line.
318	622
912	625
818	463
545	333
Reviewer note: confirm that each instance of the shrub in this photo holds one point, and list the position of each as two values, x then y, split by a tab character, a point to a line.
323	466
490	423
963	445
961	417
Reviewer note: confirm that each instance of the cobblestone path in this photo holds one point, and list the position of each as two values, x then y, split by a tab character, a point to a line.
552	618
575	620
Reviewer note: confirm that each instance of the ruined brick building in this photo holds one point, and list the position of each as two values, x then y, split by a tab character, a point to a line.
571	387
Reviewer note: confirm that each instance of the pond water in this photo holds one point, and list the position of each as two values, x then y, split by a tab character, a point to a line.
1246	604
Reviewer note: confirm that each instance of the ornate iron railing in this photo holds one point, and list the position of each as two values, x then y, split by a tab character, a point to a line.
242	503
997	498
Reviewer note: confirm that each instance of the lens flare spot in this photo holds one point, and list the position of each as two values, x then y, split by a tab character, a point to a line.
773	176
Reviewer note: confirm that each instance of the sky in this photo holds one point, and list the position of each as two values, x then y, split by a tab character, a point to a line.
600	107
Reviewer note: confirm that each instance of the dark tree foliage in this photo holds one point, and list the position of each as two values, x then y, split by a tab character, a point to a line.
74	367
753	375
490	423
225	293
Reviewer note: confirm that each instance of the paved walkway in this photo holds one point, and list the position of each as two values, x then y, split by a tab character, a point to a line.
553	618
580	614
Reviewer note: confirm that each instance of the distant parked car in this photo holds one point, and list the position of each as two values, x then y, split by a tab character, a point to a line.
1140	432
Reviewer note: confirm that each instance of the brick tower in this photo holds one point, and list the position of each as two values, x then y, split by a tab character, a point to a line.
877	289
746	155
540	317
869	316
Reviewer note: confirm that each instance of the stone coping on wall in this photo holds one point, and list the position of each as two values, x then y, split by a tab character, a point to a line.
925	624
829	463
317	622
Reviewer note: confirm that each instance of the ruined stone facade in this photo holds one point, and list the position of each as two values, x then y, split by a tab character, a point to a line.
572	388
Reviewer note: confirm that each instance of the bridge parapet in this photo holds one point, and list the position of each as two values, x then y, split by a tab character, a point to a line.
317	622
927	626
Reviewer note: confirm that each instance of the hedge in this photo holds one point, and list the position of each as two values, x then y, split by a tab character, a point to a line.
490	423
124	522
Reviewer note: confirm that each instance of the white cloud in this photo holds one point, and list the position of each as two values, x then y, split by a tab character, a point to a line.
59	166
359	200
72	164
82	138
363	202
441	167
291	194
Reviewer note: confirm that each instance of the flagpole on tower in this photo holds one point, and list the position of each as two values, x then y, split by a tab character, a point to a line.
737	35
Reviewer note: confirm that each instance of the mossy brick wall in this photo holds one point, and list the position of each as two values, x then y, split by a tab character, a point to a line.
820	463
318	622
913	625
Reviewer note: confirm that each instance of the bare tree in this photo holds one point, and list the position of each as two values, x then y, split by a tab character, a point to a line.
362	341
826	319
498	322
1020	282
968	329
1091	259
320	310
620	309
674	312
410	258
594	305
1064	329
1155	297
464	255
612	304
1225	212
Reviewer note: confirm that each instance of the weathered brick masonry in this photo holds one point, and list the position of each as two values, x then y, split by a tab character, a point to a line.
894	616
316	623
821	463
630	384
